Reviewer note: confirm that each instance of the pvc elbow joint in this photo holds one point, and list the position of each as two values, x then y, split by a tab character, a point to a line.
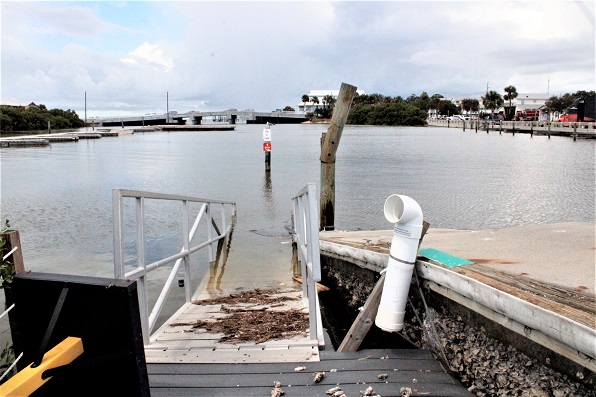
406	213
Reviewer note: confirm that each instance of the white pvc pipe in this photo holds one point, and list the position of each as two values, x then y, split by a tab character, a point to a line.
407	216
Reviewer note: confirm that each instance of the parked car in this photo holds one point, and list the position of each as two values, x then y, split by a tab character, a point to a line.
495	118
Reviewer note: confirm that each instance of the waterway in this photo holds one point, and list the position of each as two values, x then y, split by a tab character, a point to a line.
59	197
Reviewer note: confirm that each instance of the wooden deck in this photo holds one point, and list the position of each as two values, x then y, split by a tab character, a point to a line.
405	369
183	344
187	361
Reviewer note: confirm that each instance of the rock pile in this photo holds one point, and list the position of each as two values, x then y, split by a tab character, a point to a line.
490	368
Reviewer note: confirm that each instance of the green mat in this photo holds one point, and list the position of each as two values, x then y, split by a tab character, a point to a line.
443	257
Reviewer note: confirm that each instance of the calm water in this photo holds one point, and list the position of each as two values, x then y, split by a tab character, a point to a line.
59	197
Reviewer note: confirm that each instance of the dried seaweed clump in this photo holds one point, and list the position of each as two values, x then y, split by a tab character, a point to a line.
256	326
251	320
256	296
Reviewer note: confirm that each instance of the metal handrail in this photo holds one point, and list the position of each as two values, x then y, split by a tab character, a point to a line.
149	318
306	229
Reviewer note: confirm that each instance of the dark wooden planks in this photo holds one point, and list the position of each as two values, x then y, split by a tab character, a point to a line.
385	390
353	372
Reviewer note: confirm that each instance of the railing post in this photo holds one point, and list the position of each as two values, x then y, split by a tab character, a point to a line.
209	233
117	214
223	219
141	263
186	244
313	232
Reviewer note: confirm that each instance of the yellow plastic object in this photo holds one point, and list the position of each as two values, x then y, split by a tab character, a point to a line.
29	379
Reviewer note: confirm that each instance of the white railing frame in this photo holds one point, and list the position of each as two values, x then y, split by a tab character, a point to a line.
149	318
306	229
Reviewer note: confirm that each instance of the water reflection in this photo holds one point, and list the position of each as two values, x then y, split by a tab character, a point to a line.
268	195
216	272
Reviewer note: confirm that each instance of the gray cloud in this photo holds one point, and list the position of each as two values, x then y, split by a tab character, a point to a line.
265	55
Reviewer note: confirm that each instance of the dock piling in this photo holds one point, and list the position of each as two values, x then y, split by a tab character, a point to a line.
330	143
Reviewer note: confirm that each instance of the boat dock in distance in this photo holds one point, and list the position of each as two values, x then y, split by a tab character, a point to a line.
542	127
97	133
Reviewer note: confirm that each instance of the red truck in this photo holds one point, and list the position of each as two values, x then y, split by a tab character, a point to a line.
527	115
582	109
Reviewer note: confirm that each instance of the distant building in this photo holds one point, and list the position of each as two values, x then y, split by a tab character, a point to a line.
530	101
526	101
320	94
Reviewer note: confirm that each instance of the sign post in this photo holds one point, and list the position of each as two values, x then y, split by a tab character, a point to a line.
267	147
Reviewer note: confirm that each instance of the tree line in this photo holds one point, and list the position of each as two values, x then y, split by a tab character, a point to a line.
377	109
36	117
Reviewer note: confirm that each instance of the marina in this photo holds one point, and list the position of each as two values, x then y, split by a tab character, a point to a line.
261	240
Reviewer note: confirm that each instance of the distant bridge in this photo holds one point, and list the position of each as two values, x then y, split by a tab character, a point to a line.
196	118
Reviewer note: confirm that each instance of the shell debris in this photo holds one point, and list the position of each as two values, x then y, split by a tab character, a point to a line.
298	369
318	376
277	392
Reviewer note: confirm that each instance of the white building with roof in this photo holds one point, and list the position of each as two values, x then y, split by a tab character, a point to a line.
310	106
529	101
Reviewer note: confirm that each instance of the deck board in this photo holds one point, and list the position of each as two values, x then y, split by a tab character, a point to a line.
353	372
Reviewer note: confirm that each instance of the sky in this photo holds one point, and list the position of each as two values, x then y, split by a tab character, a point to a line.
138	57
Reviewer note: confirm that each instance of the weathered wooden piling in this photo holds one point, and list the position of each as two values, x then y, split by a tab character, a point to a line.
13	240
330	142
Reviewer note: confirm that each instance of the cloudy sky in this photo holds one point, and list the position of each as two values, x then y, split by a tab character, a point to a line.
265	55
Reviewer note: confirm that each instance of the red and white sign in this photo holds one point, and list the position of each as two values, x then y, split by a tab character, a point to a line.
266	146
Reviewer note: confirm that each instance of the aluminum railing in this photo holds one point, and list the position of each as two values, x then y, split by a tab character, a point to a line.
149	317
306	229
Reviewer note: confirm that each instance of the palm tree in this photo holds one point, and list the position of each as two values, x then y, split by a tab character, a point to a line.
315	100
511	94
305	99
492	101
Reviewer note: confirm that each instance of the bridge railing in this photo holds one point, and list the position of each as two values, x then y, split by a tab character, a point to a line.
306	230
182	259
